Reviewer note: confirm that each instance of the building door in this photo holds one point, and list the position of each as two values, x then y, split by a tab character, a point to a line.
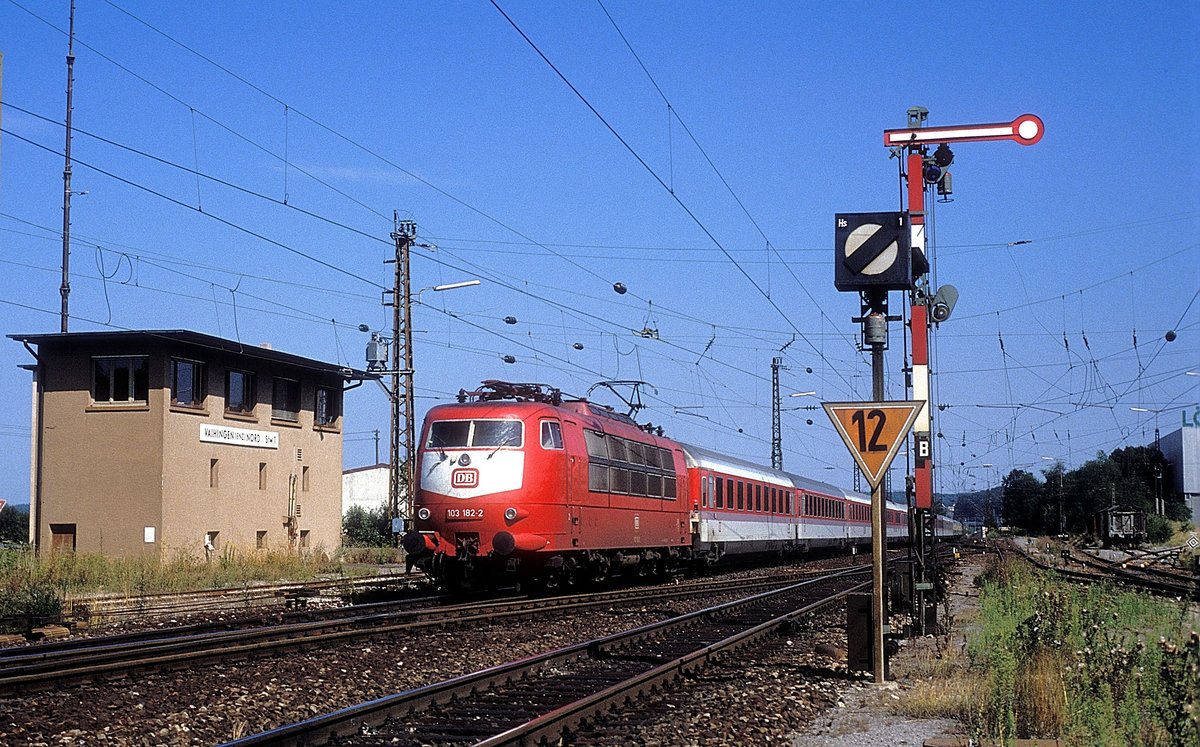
62	538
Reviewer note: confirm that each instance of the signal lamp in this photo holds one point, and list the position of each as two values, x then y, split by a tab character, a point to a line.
943	156
932	173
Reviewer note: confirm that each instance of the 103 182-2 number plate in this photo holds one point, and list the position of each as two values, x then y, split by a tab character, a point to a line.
464	514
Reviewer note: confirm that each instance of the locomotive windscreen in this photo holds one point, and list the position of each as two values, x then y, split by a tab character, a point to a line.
451	434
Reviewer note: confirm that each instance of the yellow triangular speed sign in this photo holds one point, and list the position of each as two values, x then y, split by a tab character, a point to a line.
873	431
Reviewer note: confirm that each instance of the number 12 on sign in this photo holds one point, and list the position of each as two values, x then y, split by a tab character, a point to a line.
879	417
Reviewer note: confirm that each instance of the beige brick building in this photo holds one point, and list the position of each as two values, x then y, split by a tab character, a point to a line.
157	442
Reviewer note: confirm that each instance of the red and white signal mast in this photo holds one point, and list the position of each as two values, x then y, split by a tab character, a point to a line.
926	170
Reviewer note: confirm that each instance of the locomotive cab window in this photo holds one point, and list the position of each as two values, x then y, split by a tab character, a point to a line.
445	434
551	435
496	433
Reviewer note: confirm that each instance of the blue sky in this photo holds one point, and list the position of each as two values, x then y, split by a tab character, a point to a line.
443	112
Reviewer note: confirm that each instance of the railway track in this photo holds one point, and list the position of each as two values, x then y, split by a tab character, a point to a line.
105	609
114	657
542	699
1157	581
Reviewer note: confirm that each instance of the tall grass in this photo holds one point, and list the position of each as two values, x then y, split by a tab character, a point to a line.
1093	665
38	588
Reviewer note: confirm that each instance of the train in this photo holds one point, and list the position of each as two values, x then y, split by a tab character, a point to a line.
517	484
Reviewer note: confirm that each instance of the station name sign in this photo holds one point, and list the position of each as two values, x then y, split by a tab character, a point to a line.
221	434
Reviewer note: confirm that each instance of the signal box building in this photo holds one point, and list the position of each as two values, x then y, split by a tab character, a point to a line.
148	443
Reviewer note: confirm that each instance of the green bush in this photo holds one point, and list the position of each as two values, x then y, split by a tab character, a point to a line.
1092	664
367	528
26	603
1158	529
14	525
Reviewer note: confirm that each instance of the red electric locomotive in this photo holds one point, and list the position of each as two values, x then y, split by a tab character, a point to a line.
515	483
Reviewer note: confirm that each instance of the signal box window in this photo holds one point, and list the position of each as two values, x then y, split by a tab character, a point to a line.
118	380
285	405
325	410
551	435
239	392
187	383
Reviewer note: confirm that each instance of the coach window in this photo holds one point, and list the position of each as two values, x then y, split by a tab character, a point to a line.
704	491
758	498
720	492
774	501
551	435
741	495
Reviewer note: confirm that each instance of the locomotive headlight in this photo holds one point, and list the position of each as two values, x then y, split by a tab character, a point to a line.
423	513
510	514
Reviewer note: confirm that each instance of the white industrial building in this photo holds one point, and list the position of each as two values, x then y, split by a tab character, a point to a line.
1182	449
366	487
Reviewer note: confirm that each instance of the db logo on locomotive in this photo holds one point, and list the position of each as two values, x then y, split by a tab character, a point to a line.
464	478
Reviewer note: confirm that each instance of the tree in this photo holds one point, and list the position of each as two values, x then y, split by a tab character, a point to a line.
1088	489
367	527
1023	502
14	525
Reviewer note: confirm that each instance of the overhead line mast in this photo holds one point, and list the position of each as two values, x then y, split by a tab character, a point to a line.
403	436
65	289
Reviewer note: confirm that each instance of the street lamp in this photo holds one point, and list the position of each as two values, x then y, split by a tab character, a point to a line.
447	287
403	429
1156	413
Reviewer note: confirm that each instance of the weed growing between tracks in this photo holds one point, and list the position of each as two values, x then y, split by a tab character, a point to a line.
1094	665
